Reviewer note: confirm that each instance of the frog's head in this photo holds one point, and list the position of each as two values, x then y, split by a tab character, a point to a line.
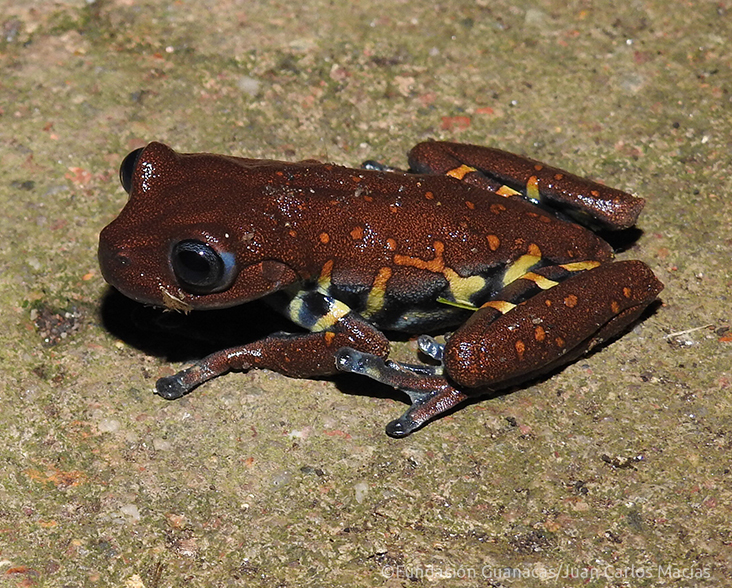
185	239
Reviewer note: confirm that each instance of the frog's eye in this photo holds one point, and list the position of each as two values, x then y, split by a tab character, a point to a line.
127	169
200	269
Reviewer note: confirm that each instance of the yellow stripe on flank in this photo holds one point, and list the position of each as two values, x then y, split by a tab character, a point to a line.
534	249
460	172
541	281
377	295
579	266
532	189
500	305
505	191
324	279
519	267
463	288
335	313
294	308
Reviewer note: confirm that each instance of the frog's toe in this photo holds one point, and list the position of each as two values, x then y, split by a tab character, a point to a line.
349	360
425	407
170	387
431	347
401	427
393	373
180	384
378	166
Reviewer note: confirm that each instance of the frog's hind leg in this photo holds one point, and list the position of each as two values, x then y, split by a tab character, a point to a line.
507	343
430	393
551	328
587	202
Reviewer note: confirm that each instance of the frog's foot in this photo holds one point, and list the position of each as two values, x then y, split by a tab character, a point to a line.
430	393
183	382
211	366
431	347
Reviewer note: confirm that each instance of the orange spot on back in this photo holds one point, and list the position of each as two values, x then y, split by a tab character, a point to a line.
559	341
615	307
520	348
429	195
497	208
538	167
324	238
539	333
558	177
470	205
493	242
570	301
391	244
357	233
627	292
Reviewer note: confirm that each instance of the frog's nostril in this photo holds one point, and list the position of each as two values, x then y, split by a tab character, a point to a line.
108	257
112	260
122	259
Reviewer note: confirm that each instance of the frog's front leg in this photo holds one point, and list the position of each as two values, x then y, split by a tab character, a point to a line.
504	345
333	326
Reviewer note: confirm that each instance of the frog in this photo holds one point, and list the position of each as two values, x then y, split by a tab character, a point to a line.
500	253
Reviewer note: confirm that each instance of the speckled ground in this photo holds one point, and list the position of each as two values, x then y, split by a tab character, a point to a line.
614	472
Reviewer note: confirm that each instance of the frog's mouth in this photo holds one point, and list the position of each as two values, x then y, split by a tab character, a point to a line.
252	282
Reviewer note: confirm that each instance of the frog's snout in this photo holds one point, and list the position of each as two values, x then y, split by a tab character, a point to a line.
111	260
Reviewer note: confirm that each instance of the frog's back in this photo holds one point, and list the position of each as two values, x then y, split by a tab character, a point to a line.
372	217
396	246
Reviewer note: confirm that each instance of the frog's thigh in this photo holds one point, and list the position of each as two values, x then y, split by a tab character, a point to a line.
551	328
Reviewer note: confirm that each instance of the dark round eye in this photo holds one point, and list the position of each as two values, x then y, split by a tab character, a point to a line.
200	269
127	168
